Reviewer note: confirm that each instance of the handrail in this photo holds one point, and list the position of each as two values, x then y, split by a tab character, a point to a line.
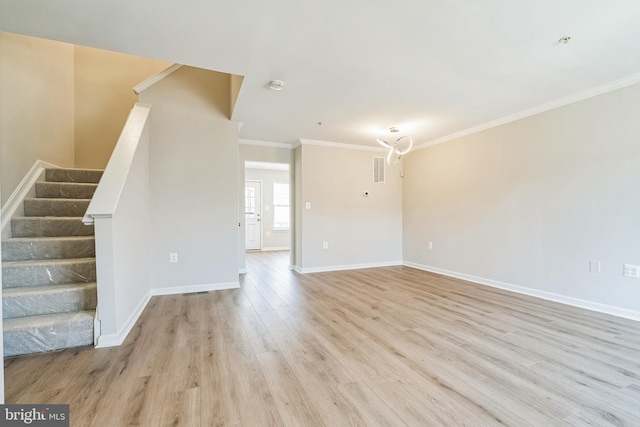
107	195
155	78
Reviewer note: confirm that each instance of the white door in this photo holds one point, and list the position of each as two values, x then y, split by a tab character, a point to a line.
252	210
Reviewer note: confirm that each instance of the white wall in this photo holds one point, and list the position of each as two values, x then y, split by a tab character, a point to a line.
36	106
131	225
1	328
121	212
271	239
531	202
194	182
360	231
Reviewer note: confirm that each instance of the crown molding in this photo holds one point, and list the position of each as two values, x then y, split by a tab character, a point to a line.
341	145
282	167
560	102
266	144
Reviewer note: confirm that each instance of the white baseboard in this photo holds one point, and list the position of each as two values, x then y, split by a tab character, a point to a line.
13	205
242	271
113	340
346	267
275	248
550	296
194	288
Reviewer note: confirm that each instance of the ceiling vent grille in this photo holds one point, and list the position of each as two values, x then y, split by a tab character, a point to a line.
378	169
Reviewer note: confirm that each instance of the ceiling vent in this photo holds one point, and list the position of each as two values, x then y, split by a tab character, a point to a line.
378	170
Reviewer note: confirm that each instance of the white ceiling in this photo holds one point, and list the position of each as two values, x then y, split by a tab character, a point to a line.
431	67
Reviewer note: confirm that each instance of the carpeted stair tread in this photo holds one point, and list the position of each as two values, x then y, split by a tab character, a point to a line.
73	175
41	248
55	207
49	267
48	272
50	226
35	334
66	190
48	299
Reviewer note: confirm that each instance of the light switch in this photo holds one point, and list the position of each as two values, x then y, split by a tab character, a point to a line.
630	270
308	205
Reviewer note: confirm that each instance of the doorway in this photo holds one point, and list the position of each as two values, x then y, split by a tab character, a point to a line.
267	210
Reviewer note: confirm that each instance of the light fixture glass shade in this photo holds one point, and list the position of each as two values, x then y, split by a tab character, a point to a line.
397	149
405	141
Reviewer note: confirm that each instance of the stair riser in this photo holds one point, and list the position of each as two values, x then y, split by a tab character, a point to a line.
65	190
48	274
49	227
73	175
65	301
72	333
20	251
53	207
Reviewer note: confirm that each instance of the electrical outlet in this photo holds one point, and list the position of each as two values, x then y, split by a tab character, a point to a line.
430	245
325	245
173	257
594	266
630	270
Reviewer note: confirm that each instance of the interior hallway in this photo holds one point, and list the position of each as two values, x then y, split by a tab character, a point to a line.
388	346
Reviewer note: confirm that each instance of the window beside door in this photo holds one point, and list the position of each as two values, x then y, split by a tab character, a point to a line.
281	206
249	202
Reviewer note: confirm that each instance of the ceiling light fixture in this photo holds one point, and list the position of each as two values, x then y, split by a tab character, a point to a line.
565	39
276	84
397	148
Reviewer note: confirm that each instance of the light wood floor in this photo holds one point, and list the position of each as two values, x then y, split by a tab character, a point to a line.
380	347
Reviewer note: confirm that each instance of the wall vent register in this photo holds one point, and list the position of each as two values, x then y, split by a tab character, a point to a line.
378	169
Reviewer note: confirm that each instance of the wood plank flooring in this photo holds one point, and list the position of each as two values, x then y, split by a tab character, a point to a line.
378	347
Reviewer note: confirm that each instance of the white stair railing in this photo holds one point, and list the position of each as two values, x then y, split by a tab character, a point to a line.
119	211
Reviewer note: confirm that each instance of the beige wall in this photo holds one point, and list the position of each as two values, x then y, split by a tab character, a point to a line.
104	96
271	239
359	230
529	203
62	104
296	259
36	106
193	165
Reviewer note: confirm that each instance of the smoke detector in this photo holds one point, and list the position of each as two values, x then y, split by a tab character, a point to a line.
276	84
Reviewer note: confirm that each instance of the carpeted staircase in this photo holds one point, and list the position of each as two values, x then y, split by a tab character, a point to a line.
49	267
